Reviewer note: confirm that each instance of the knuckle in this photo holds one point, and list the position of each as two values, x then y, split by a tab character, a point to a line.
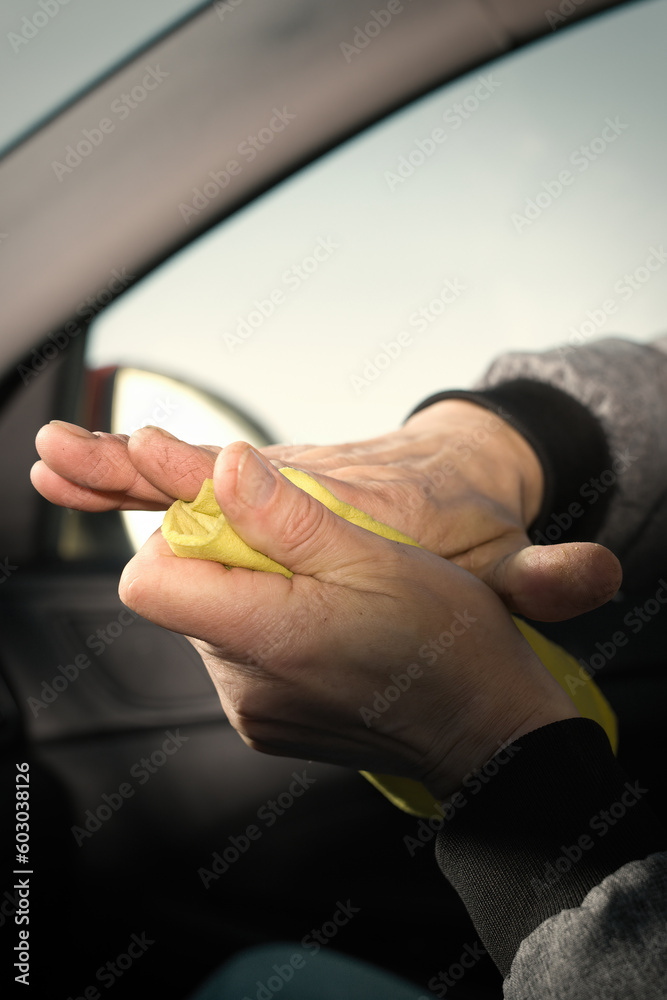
184	469
130	590
303	522
249	710
100	471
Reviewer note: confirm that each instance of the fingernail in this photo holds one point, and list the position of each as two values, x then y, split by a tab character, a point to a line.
160	430
72	428
257	481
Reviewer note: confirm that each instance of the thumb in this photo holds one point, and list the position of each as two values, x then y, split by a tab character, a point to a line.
275	517
551	583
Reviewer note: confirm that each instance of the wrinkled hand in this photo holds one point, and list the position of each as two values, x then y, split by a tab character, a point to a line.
295	661
99	471
456	478
467	486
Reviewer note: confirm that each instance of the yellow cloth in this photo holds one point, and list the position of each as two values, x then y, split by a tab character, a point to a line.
199	530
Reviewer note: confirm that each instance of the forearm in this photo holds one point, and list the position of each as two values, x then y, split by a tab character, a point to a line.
554	818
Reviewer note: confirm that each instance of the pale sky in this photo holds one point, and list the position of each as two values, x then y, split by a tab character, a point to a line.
388	248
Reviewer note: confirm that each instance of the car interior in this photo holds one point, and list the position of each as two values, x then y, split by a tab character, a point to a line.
141	794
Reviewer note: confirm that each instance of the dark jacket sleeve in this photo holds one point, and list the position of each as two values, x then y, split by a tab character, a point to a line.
623	385
596	416
561	868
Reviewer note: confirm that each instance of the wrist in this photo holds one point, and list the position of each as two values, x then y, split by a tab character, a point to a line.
511	695
529	469
445	780
480	429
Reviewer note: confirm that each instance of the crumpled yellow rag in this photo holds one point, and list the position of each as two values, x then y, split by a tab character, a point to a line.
199	530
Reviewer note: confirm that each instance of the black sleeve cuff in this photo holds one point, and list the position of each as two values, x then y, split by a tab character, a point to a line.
571	446
540	825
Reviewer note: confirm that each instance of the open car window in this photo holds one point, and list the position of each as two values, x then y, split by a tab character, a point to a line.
518	209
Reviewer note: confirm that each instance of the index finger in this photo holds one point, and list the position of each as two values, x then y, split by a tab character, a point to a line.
233	609
102	471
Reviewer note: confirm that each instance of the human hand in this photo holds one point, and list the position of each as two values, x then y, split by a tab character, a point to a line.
467	486
295	660
456	478
99	471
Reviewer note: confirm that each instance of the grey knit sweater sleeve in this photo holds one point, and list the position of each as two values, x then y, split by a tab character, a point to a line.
624	385
612	947
561	865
